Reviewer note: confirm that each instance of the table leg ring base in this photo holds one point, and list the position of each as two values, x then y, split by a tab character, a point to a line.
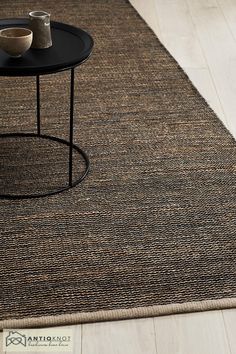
55	191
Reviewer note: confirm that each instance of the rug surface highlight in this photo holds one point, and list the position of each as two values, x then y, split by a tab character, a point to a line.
152	230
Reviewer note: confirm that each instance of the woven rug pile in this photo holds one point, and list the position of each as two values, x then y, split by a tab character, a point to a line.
152	229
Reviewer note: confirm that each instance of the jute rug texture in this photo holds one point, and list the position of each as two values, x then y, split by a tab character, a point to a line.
152	230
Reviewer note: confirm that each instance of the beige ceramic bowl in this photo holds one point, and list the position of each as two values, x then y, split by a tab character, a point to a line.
15	41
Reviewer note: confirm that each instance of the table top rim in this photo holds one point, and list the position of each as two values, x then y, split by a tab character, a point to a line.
43	70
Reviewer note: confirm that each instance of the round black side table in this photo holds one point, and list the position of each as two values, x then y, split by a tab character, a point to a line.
71	47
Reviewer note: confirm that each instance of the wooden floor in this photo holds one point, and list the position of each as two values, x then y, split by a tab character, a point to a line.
198	333
201	35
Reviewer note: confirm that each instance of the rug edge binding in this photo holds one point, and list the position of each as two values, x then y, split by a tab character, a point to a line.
120	314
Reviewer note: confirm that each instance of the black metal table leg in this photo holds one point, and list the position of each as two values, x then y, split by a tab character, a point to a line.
72	147
72	81
38	104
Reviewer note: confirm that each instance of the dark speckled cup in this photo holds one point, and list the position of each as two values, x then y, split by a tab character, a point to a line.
40	26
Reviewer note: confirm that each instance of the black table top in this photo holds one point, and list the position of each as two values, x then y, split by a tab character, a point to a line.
71	46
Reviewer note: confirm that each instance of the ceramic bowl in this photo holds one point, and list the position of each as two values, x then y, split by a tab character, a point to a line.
15	41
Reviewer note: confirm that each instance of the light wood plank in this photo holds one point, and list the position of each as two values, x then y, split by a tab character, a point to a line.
220	51
1	343
178	33
148	13
121	337
230	326
77	336
196	333
228	7
202	80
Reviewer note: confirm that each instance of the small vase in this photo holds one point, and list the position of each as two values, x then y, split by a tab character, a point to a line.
40	26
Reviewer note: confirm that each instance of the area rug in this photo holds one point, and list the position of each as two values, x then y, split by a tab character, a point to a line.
152	229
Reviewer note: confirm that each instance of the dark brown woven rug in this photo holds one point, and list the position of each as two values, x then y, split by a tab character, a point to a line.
152	230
